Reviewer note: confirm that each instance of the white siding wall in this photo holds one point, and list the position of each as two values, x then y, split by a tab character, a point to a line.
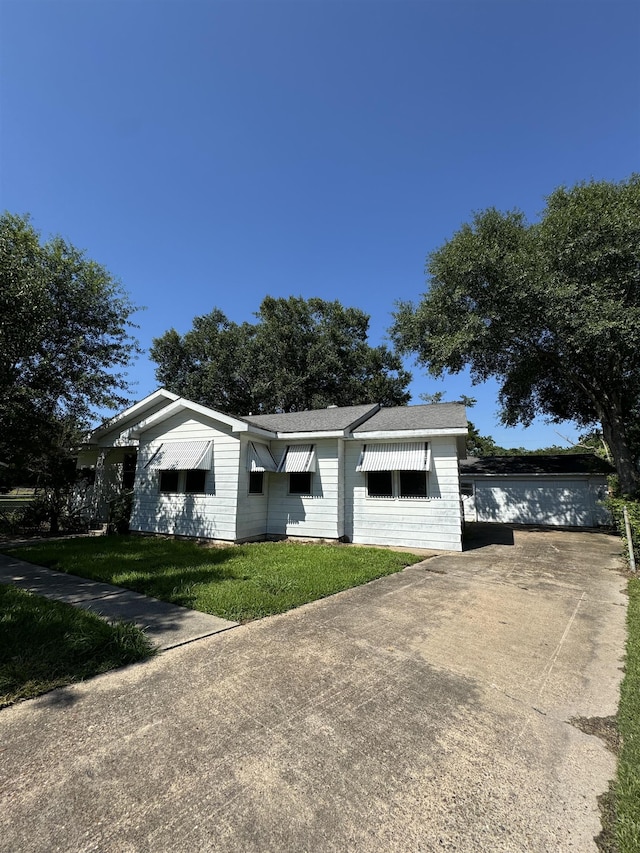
301	515
252	509
433	522
211	515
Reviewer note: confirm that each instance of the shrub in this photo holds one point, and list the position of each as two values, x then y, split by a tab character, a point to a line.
615	506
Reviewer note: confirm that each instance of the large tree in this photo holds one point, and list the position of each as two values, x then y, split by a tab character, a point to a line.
550	309
300	354
65	338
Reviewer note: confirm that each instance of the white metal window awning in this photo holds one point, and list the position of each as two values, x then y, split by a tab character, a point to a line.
402	456
298	459
259	458
182	456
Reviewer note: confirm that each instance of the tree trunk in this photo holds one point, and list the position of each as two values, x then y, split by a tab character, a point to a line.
614	432
54	522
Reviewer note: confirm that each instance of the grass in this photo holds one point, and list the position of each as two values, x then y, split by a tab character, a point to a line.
46	644
627	787
240	582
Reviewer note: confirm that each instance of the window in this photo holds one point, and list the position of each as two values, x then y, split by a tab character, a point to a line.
191	482
396	469
195	481
129	470
300	483
256	482
397	484
169	481
380	484
413	484
466	489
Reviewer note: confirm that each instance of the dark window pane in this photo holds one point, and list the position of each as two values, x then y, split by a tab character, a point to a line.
300	484
255	482
168	481
413	484
129	470
380	484
195	481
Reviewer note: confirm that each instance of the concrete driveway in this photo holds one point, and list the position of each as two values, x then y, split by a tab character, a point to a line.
426	711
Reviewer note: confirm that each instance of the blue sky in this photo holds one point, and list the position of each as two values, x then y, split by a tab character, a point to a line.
210	153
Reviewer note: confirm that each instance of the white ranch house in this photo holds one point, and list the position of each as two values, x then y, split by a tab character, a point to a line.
362	474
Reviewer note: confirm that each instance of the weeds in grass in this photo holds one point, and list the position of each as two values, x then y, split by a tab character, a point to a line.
627	788
46	644
240	582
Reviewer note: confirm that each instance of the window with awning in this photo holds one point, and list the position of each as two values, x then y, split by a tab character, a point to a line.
298	459
259	458
182	456
400	456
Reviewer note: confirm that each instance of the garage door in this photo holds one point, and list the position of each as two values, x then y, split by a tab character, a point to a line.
550	502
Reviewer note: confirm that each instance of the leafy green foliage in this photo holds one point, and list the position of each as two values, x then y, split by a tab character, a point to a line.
64	332
615	505
240	583
64	341
46	644
550	309
301	354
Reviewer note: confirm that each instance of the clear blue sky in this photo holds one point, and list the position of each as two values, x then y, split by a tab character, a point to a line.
210	153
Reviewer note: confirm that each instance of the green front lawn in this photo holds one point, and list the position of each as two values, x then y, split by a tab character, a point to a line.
627	787
46	644
239	582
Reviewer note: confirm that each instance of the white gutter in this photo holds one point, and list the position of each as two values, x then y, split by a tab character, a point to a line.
399	434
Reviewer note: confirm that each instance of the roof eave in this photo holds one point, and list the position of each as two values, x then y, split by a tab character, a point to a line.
119	419
286	436
409	433
182	405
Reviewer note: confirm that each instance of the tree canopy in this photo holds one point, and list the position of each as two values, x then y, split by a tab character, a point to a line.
550	309
65	338
300	354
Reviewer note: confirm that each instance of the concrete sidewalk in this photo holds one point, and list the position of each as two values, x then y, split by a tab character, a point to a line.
166	625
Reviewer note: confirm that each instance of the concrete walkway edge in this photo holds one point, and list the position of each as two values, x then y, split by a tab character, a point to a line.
166	625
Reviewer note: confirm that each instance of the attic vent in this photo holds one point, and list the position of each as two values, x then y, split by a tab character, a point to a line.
332	406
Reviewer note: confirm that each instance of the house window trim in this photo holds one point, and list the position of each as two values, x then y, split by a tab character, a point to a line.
302	493
252	474
396	490
181	488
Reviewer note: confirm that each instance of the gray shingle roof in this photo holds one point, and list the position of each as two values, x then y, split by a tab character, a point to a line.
314	420
428	416
570	463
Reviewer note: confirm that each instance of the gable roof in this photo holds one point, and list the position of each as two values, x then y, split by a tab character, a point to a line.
182	405
335	418
558	464
430	416
134	414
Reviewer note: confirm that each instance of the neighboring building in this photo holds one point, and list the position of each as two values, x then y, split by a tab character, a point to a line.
564	490
361	474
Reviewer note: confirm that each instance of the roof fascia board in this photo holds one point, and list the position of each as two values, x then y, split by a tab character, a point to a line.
566	476
182	405
254	430
294	436
408	433
132	411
